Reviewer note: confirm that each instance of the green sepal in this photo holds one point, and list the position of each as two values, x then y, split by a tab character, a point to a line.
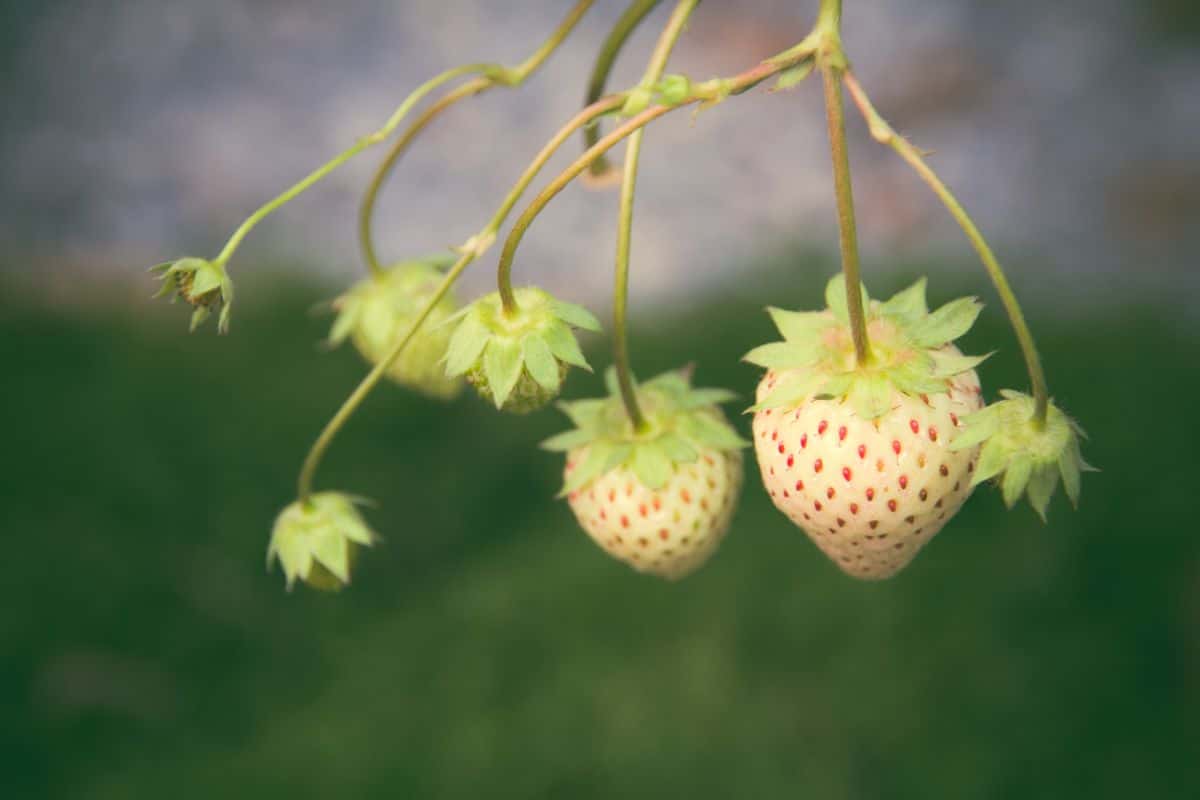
541	363
502	365
577	315
909	346
946	324
564	346
680	423
466	345
835	298
1025	457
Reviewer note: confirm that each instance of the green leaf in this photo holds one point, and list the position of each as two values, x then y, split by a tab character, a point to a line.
783	355
563	344
1016	478
907	306
871	396
1041	488
975	431
947	323
568	440
585	414
699	398
800	325
333	553
992	461
502	365
541	363
1069	464
577	315
651	465
793	76
708	431
677	449
612	382
466	345
948	364
835	298
595	464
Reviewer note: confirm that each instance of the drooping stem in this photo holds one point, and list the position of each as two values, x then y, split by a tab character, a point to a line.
654	71
710	91
362	144
478	245
513	77
383	172
626	25
885	134
832	63
713	91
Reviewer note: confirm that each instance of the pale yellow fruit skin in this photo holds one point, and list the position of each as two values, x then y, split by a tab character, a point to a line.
841	525
670	532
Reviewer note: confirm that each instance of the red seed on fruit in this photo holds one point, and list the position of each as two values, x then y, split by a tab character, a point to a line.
803	440
799	486
903	481
862	451
891	505
944	470
923	495
846	473
664	534
932	434
916	426
896	446
822	427
624	521
842	433
854	508
781	447
818	466
817	505
791	461
870	494
685	495
829	493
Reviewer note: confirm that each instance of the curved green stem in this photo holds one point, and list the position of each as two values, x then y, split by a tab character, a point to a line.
884	133
371	196
709	92
658	63
637	11
362	144
513	77
477	246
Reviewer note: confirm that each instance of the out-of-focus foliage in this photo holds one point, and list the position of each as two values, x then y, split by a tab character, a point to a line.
487	649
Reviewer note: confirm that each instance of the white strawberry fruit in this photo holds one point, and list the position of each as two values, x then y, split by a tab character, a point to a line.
859	456
661	498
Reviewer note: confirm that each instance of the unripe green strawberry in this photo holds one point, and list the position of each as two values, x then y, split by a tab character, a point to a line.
1023	455
380	310
204	285
518	361
860	458
659	499
317	540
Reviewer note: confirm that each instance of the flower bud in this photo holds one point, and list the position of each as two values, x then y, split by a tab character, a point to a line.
204	285
317	540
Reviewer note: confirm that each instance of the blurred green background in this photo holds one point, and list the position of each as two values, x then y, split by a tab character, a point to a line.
489	649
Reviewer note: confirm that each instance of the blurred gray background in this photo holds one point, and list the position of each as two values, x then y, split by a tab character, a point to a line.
135	131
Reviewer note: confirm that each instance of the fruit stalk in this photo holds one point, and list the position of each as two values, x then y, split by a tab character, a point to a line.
654	70
885	134
617	37
832	62
709	92
482	83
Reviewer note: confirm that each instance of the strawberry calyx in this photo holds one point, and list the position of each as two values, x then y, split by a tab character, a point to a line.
911	350
680	422
379	310
518	360
202	284
316	540
1025	458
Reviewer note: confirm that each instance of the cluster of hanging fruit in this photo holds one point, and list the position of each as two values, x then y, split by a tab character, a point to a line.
870	426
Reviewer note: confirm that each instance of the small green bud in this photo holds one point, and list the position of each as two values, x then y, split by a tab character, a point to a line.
518	360
318	540
204	285
637	101
674	89
380	310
